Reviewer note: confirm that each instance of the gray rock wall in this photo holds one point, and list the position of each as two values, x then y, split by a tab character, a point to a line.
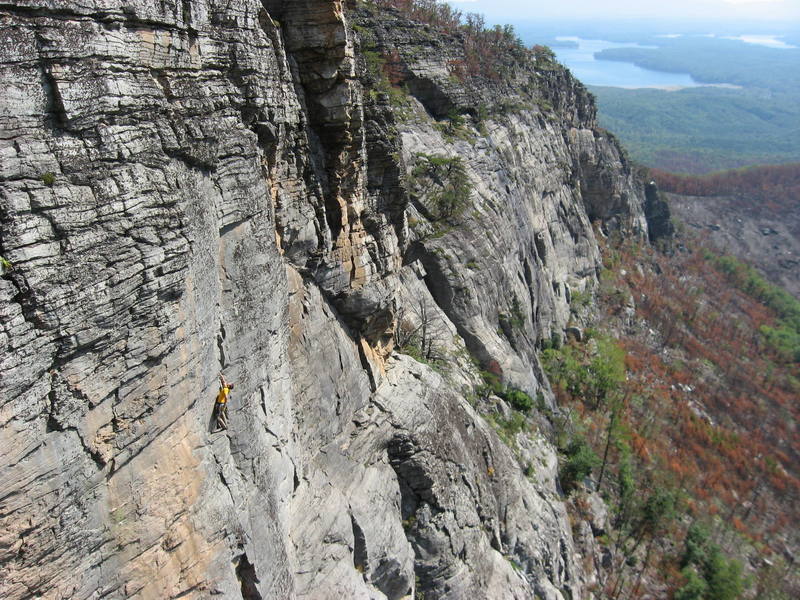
202	187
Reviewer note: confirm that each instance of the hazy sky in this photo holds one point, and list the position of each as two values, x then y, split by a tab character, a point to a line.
516	10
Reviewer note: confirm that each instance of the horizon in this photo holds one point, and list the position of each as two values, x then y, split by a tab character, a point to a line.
757	13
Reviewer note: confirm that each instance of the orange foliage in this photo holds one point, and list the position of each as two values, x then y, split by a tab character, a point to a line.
639	445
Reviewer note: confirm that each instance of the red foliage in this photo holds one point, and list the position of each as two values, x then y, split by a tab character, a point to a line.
776	187
494	368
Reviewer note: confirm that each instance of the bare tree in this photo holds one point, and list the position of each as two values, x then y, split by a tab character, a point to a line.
421	332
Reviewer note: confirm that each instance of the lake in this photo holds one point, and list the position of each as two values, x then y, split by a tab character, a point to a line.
590	71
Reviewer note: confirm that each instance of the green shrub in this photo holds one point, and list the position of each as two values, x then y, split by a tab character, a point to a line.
455	127
695	587
579	463
48	179
658	509
721	576
518	399
724	577
607	369
541	405
626	481
491	385
555	340
580	299
784	339
442	184
593	379
695	545
507	429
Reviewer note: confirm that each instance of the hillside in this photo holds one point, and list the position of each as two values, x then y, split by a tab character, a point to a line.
701	130
687	404
748	213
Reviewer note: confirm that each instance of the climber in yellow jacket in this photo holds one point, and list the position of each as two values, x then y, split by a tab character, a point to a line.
225	389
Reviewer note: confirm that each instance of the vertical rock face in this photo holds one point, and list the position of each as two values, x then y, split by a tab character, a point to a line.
196	187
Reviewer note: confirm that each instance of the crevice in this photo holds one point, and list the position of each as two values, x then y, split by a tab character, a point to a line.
246	575
52	421
204	165
32	312
416	485
221	345
162	80
541	247
92	453
222	478
365	364
57	114
528	273
231	226
333	215
189	591
186	12
295	481
360	559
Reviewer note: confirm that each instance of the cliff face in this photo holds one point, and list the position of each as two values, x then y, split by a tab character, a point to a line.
194	187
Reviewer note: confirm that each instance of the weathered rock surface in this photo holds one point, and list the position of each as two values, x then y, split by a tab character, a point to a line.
195	187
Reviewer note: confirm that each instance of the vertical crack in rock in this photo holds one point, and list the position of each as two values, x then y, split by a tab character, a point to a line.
55	103
246	575
414	486
414	483
360	559
221	345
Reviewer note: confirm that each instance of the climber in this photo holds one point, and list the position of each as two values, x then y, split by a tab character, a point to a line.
221	406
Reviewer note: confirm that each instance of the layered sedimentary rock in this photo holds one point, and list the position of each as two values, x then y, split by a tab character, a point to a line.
196	187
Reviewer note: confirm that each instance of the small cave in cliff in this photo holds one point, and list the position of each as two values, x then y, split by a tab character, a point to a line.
333	215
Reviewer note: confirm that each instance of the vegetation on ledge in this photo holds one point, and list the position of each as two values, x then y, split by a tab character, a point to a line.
487	50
